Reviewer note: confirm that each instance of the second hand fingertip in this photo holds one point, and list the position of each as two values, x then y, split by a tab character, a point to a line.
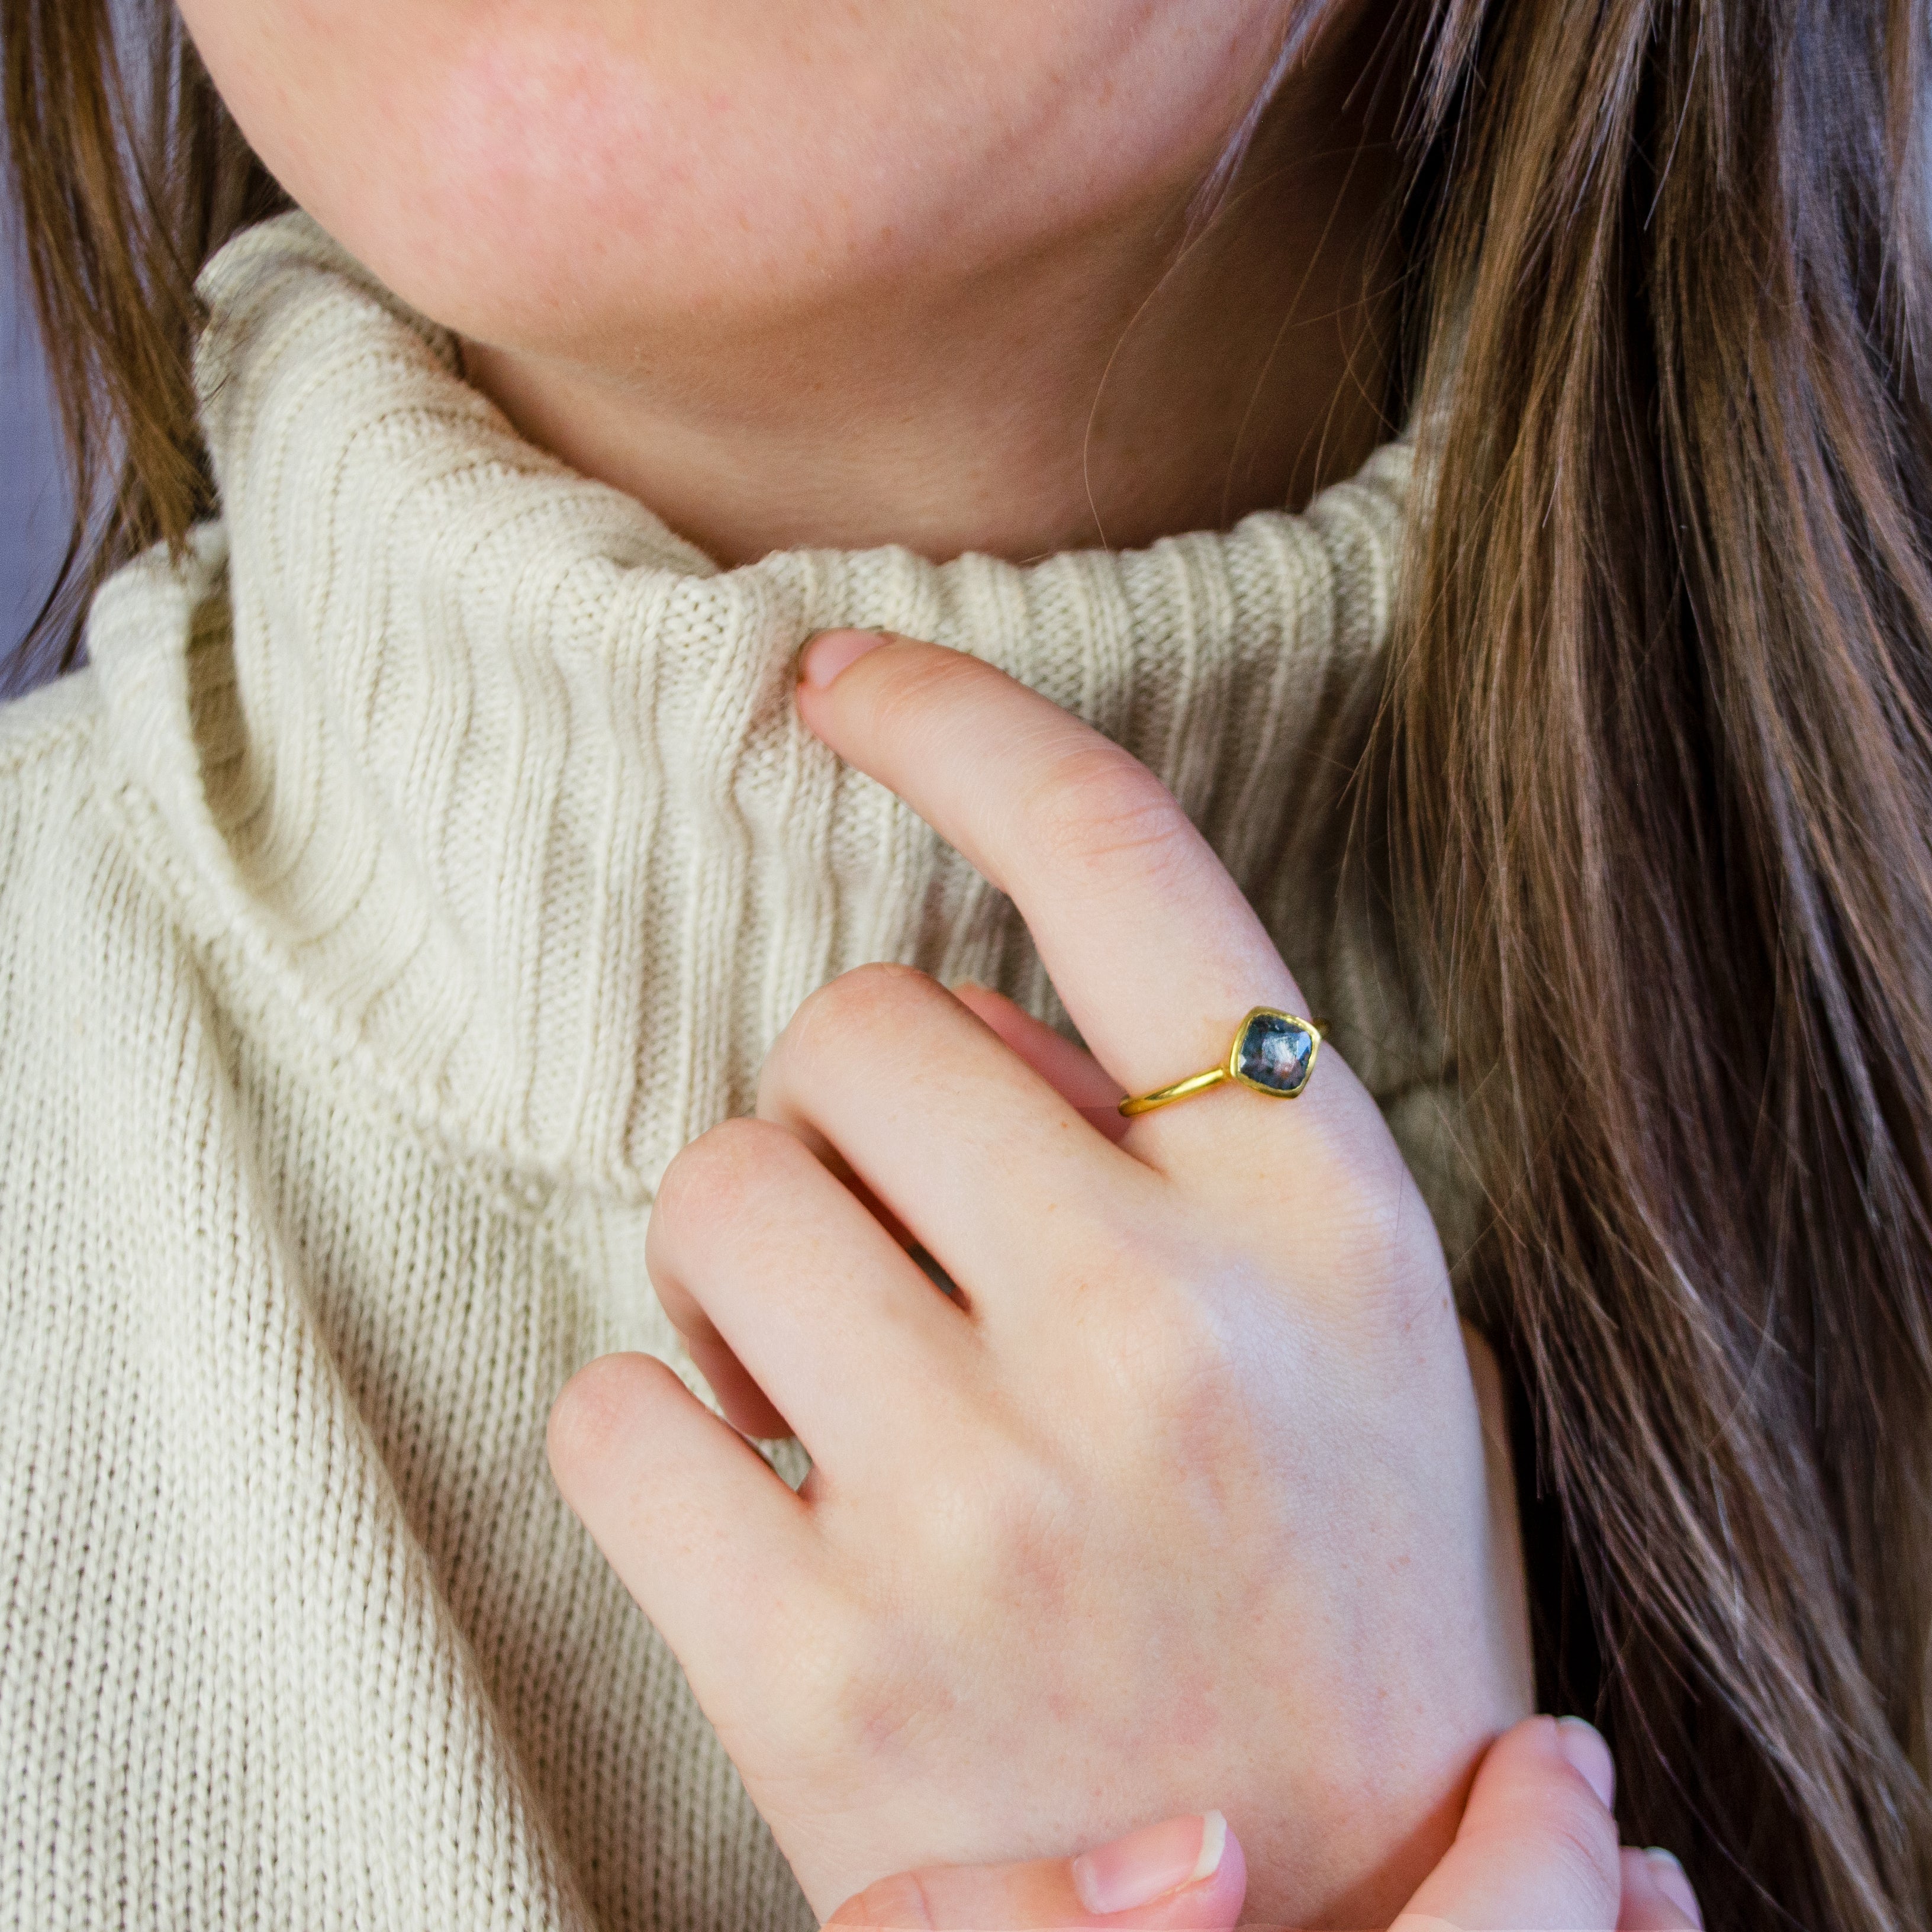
1583	1745
1668	1874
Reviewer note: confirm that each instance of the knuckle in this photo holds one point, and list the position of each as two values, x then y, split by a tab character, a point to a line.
1375	1254
878	1679
1197	1406
598	1413
1170	1352
860	1002
1158	1361
1008	1519
713	1178
1097	806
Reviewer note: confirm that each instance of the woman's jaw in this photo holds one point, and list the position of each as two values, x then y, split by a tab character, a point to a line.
862	274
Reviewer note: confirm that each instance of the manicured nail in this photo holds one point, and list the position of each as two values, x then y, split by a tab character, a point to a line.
1582	1744
1674	1883
1149	1863
831	651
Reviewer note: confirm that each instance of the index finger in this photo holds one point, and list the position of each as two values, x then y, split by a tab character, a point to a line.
1150	943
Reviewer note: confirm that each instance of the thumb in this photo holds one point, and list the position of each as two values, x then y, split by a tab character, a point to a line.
1186	1875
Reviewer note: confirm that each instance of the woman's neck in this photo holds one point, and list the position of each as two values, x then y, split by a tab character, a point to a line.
1111	389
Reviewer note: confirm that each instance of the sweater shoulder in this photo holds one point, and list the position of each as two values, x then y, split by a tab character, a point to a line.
46	735
62	853
49	740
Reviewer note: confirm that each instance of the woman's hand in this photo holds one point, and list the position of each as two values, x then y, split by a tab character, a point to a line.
1183	1502
1537	1846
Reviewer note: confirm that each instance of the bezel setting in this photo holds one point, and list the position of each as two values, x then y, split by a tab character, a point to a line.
1277	1020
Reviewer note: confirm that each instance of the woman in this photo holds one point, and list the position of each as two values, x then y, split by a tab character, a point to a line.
389	794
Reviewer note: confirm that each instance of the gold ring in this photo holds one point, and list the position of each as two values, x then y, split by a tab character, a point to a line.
1273	1053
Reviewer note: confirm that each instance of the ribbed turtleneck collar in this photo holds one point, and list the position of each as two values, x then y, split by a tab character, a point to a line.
469	775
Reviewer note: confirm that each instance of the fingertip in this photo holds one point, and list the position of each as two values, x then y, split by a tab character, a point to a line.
1526	1748
1656	1896
594	1415
1668	1875
1210	1902
1583	1745
979	998
592	1407
899	1903
1536	1846
831	653
1059	1894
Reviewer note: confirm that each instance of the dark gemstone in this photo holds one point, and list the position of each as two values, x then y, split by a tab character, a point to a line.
1275	1053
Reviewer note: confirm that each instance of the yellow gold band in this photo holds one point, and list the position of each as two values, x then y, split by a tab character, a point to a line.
1273	1053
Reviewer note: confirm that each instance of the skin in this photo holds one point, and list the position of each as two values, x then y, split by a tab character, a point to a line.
923	288
1538	1846
935	283
1201	1416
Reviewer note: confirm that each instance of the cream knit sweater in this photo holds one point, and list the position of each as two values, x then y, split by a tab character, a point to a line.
415	869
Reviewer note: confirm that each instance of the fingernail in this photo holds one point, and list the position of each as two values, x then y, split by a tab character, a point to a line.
1149	1863
831	652
1582	1744
1674	1883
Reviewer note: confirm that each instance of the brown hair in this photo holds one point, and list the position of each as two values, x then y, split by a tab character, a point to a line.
1659	743
123	195
1661	729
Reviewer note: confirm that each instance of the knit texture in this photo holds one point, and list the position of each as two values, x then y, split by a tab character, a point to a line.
419	863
